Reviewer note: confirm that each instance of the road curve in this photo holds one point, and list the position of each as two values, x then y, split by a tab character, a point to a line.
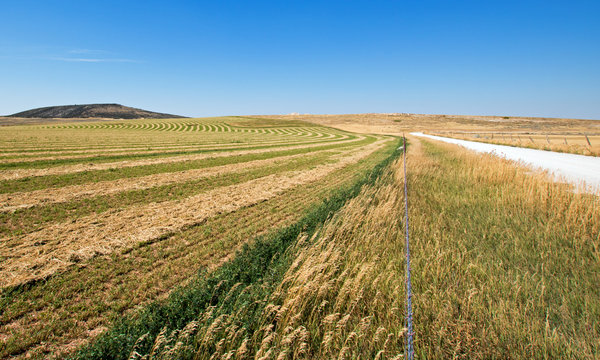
572	168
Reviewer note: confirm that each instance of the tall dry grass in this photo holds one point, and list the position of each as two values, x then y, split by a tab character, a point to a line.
339	298
506	262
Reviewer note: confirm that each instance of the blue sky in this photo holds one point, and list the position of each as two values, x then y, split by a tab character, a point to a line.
196	58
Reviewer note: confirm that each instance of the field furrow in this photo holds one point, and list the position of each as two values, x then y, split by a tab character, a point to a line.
67	154
24	160
27	220
78	178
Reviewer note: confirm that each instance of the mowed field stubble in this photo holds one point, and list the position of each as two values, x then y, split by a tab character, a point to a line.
98	218
274	238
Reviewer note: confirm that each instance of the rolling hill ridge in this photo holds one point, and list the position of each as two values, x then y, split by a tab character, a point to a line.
111	111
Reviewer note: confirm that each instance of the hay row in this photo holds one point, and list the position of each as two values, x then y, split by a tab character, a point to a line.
20	200
52	249
134	151
69	169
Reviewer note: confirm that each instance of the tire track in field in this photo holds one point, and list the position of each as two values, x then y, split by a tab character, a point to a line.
52	249
69	169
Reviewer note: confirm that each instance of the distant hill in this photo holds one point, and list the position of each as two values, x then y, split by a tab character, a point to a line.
110	111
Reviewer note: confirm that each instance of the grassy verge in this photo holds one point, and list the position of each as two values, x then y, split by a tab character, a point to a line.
508	263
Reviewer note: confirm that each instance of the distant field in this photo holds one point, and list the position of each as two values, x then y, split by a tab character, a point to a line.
397	123
577	136
97	218
12	121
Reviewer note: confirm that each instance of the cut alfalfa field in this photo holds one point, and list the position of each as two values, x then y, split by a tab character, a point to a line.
90	231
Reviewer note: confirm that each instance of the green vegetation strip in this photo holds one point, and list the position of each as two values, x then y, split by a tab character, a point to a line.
32	219
263	263
44	182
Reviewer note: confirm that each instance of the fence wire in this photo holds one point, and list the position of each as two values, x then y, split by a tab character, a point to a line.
410	353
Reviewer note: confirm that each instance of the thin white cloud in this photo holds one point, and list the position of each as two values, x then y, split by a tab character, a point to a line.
81	55
94	60
87	51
